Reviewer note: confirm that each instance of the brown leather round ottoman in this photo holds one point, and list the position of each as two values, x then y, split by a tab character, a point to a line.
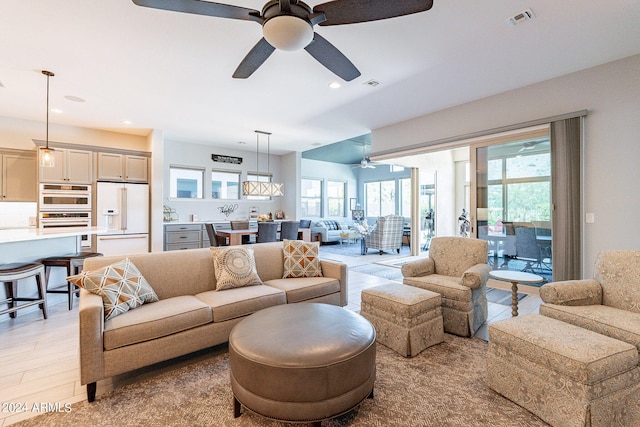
302	362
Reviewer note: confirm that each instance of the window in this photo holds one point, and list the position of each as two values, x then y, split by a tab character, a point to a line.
186	183
311	197
259	178
380	198
225	185
405	197
335	198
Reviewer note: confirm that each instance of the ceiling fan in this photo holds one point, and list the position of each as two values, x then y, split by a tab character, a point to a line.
288	25
529	145
365	163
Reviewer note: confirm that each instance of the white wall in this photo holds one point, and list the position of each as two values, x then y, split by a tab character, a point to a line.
611	93
315	169
196	155
19	134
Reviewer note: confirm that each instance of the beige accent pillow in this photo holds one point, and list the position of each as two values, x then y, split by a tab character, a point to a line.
301	259
120	285
235	267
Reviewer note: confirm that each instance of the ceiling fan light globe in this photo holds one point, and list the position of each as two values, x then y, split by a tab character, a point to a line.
287	32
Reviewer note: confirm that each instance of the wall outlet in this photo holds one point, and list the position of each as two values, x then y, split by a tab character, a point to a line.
33	221
590	218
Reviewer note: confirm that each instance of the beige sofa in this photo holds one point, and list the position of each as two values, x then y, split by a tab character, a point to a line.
190	315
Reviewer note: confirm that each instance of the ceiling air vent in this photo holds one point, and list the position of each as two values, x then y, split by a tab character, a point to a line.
518	18
372	83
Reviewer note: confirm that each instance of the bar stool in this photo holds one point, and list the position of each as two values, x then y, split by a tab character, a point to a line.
73	264
10	274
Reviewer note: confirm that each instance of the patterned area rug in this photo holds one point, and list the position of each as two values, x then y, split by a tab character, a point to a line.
390	273
353	249
442	386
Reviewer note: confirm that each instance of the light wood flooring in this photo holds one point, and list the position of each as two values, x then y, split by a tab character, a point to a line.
39	358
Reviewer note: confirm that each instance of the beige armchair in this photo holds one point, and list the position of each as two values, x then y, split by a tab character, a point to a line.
456	269
608	304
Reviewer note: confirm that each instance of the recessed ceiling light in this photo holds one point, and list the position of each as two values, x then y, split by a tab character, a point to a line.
74	98
242	143
127	122
56	110
334	85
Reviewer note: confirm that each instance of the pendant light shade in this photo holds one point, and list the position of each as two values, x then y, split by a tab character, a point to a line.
261	188
47	157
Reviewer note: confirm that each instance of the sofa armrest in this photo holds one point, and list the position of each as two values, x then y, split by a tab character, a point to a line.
572	292
339	271
475	276
91	319
315	228
421	267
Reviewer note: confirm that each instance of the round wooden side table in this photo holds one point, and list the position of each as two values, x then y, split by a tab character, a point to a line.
515	277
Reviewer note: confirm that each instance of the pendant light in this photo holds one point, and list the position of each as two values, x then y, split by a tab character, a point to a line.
47	158
260	188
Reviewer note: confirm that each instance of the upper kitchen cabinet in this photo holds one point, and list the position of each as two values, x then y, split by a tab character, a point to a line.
122	167
71	166
19	176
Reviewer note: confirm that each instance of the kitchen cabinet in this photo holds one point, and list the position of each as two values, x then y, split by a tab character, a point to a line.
71	166
18	179
122	167
182	236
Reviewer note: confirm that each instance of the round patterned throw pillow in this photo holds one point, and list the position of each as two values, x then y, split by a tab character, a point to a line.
234	267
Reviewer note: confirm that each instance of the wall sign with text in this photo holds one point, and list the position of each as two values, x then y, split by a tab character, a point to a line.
226	159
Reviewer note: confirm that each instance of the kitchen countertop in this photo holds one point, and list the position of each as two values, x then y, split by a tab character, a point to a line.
33	233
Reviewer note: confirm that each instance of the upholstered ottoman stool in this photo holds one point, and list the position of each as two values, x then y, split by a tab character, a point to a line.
302	362
407	319
564	374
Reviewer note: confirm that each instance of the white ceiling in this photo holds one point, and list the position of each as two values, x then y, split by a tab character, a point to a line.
172	71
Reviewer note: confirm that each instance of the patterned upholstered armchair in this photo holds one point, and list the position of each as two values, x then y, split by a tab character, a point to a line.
387	234
608	304
456	269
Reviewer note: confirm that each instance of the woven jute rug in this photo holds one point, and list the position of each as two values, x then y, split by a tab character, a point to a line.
442	386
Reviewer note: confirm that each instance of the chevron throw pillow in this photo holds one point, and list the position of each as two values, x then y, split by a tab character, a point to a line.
121	286
301	259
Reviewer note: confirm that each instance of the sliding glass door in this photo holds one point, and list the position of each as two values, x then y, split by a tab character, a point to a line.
512	202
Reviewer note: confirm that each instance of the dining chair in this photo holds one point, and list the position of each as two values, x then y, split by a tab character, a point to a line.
267	232
214	238
289	230
241	225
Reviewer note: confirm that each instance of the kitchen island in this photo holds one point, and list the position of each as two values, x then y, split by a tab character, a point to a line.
32	244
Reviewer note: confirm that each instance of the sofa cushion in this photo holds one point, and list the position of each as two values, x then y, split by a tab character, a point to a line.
234	267
156	320
301	259
120	285
613	322
302	289
239	302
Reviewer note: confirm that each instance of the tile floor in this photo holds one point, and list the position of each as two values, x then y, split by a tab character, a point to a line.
39	358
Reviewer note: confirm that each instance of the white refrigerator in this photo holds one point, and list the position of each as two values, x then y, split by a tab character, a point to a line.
123	209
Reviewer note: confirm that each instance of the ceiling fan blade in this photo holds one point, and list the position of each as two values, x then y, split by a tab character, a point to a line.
254	59
199	7
329	56
340	12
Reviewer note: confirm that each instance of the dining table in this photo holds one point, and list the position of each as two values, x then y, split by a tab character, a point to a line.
235	236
